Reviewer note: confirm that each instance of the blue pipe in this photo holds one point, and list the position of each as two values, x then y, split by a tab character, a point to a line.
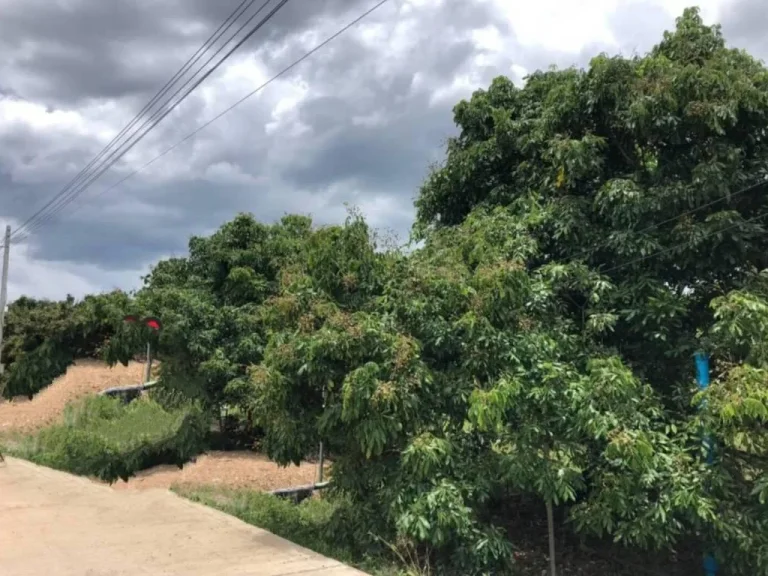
702	370
702	377
710	565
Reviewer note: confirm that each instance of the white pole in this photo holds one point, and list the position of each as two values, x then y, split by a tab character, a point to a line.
148	367
321	453
320	463
4	289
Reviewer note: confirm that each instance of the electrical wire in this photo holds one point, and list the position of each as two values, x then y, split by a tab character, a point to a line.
158	116
682	244
66	199
223	27
234	105
762	184
62	200
758	185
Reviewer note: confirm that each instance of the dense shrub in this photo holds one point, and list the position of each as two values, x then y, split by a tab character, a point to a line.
42	338
210	305
104	438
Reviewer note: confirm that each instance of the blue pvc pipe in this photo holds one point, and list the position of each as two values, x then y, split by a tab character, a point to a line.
710	565
702	370
702	377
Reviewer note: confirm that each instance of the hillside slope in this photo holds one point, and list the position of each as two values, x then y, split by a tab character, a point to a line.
231	469
83	378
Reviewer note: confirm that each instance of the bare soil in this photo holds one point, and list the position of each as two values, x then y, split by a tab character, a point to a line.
229	469
226	469
83	378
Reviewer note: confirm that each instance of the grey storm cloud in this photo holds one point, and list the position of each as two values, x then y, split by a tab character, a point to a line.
388	159
370	124
745	25
65	52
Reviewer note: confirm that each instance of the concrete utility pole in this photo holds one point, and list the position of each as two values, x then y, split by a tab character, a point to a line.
4	289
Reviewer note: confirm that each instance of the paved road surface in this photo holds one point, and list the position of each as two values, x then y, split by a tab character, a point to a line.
55	524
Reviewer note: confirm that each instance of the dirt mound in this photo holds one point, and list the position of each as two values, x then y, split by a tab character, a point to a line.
230	469
83	378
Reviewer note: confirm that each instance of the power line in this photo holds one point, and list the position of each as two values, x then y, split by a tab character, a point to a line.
682	244
756	186
155	119
160	114
228	22
751	188
64	200
237	103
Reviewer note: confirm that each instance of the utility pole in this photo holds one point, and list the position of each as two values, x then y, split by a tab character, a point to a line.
4	290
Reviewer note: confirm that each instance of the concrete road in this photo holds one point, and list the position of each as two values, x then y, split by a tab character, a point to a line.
56	524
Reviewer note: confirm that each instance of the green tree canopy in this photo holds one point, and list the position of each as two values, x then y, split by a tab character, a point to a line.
42	338
649	169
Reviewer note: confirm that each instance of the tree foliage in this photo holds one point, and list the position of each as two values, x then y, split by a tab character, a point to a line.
649	173
636	168
42	338
209	303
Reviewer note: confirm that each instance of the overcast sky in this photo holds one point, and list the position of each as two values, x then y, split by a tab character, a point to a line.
359	122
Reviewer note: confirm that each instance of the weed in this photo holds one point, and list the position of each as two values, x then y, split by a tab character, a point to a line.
102	437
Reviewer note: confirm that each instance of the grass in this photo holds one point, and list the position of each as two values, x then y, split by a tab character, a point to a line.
309	524
102	437
312	524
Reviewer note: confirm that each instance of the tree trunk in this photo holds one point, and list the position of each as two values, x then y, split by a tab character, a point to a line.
551	530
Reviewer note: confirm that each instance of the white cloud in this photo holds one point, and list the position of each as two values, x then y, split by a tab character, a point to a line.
461	86
564	26
43	128
559	24
284	111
